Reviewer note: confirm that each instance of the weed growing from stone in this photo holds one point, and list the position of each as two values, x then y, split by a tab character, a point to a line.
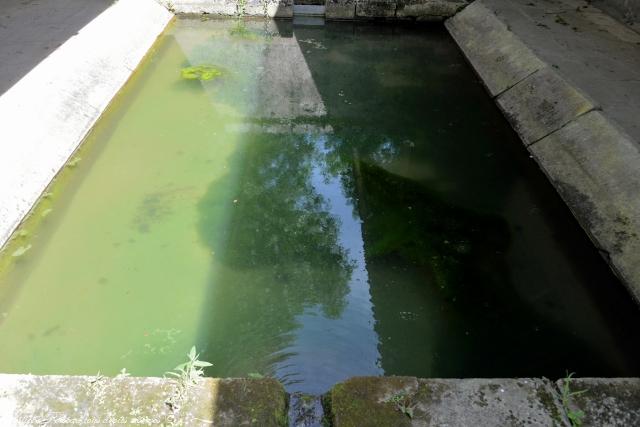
186	376
575	417
189	372
403	403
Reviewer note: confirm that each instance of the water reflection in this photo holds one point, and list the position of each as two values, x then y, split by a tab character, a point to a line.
370	236
286	258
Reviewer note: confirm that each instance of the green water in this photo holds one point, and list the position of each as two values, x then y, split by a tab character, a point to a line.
342	200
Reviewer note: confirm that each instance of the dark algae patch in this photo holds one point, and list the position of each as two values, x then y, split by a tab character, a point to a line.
309	204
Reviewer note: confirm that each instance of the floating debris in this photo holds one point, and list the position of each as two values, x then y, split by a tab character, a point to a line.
201	72
21	251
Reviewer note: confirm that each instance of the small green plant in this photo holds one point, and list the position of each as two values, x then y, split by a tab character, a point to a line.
187	375
241	6
575	417
190	371
403	403
255	375
123	373
201	72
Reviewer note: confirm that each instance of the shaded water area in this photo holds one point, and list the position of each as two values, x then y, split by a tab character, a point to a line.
342	200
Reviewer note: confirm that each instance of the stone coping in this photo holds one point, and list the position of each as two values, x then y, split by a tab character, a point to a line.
124	400
409	401
358	401
334	9
565	75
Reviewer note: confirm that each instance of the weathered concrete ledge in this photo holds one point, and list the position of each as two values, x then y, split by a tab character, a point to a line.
334	9
408	401
46	114
358	401
566	77
87	400
269	8
606	402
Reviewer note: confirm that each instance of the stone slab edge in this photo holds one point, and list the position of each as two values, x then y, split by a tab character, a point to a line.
334	9
268	8
604	402
125	400
594	166
409	401
358	401
47	114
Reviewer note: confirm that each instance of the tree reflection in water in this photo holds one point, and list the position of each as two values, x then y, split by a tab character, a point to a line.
279	254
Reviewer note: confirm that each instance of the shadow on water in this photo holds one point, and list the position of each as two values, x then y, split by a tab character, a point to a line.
473	266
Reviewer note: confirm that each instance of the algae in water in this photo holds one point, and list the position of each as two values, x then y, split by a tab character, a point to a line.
201	72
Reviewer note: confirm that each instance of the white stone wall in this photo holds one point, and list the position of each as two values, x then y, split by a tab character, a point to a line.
45	116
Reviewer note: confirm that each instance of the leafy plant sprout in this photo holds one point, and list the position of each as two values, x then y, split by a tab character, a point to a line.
190	371
187	375
575	417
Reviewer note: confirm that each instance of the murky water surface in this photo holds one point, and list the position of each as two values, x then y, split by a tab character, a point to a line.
342	200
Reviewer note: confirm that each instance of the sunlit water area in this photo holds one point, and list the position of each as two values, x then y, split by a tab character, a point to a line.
308	203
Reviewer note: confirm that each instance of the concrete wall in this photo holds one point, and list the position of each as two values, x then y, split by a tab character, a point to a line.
335	9
359	401
124	400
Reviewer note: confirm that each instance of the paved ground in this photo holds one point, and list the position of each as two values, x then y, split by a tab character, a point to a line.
31	29
596	53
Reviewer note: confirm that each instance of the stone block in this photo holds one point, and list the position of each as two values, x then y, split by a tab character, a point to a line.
497	55
340	9
408	401
428	8
541	104
594	166
375	9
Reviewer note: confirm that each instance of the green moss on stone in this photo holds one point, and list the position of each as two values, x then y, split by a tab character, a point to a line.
357	403
260	402
550	405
